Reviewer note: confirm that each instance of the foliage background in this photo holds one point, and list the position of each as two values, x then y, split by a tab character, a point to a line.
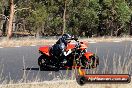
83	17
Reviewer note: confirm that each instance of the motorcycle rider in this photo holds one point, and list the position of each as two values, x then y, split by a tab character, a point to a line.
59	49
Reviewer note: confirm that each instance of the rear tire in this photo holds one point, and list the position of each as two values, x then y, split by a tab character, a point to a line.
42	60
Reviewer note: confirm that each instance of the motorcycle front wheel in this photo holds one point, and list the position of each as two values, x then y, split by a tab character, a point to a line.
93	63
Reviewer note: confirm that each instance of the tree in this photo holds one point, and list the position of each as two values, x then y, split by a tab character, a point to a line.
9	34
115	15
0	13
38	16
83	17
64	17
4	15
130	24
0	6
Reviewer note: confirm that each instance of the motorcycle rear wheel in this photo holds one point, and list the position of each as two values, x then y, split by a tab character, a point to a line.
45	63
42	60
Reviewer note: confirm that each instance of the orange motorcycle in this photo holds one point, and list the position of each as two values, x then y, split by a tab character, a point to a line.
79	56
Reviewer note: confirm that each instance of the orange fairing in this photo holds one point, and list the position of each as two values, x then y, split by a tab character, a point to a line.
70	46
88	54
45	50
83	46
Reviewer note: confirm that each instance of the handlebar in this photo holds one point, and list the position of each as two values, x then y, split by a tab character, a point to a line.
74	38
77	46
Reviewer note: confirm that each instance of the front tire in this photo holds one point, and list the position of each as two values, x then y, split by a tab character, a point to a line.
81	80
94	61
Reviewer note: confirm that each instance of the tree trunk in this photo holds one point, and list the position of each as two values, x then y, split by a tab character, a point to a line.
117	31
64	19
9	33
131	26
38	30
112	31
100	28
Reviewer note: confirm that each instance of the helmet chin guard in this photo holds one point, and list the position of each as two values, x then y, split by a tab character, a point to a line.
66	37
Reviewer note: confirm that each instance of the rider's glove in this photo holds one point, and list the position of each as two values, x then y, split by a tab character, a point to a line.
77	46
74	49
